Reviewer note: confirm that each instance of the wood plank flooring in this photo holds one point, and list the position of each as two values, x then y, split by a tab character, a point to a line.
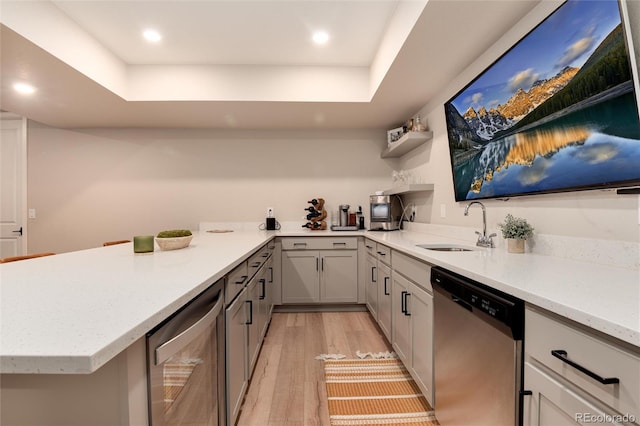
287	387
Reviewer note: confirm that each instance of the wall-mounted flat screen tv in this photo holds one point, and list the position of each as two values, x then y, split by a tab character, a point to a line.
557	112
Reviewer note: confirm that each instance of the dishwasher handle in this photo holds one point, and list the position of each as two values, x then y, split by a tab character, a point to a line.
170	347
462	303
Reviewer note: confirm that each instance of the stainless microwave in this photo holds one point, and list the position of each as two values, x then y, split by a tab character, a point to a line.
385	212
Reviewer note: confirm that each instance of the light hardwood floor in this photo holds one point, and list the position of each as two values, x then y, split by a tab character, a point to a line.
287	387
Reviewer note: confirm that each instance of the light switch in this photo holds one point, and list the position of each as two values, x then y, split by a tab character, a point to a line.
32	213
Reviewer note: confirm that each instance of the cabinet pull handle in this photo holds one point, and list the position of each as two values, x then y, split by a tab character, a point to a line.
369	247
322	264
263	290
250	302
255	264
300	244
265	255
242	279
340	244
386	292
317	263
270	274
381	253
403	302
562	356
373	278
406	307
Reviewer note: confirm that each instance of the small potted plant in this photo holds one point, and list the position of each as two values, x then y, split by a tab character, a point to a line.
174	239
515	230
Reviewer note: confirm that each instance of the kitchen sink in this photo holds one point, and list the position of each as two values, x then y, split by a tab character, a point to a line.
445	247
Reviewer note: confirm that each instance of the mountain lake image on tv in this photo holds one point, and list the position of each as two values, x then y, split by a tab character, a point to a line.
557	112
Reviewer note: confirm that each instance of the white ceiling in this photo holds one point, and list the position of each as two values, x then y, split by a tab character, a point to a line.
240	64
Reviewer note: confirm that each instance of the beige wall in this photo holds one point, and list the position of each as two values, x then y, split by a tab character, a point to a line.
89	186
589	214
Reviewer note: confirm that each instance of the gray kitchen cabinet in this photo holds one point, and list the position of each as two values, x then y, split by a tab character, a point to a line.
319	270
265	299
576	376
401	321
412	319
247	318
339	276
371	268
300	277
253	322
378	279
384	299
236	355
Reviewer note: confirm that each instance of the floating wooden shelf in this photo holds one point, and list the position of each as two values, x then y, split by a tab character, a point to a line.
406	143
405	189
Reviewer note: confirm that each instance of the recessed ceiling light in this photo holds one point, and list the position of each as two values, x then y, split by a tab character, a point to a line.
320	37
152	35
24	88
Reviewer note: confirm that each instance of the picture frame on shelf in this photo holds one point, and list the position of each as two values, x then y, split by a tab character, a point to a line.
394	134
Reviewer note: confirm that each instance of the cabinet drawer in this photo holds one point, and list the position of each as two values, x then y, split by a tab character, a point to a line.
257	259
383	253
417	271
606	359
370	247
320	243
235	282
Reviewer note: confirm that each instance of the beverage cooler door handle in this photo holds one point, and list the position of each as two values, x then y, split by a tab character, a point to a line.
170	347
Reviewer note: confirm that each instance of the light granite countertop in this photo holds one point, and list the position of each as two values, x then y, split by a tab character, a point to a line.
73	312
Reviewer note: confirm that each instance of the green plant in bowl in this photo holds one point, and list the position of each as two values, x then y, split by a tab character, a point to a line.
174	239
173	233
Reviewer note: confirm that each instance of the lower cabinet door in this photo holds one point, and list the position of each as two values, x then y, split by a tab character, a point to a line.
384	299
421	310
401	318
555	403
253	322
300	276
236	355
371	280
339	276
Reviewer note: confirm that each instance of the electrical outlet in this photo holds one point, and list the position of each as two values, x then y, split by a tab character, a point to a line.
270	212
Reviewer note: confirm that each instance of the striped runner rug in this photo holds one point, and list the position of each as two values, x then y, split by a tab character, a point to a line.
374	392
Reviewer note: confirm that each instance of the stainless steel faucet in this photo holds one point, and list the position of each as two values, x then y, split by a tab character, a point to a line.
483	239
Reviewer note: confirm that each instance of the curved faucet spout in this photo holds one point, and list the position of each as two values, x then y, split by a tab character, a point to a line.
483	239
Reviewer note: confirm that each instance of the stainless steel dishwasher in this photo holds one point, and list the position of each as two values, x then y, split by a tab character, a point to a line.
185	362
478	335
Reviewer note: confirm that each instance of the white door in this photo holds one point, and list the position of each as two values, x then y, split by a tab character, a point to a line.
12	187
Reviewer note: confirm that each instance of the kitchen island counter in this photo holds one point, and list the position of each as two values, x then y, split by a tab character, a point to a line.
73	312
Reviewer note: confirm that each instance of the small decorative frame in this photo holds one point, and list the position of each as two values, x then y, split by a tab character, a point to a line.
394	134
